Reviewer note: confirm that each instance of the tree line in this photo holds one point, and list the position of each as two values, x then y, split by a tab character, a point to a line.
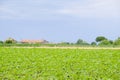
99	41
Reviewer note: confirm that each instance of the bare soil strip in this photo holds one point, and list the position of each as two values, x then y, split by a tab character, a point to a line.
117	48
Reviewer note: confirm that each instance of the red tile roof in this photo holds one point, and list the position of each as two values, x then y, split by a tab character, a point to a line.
33	41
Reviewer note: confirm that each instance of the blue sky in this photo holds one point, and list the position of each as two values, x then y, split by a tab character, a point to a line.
57	21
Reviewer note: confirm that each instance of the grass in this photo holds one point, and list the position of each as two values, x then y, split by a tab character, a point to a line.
59	64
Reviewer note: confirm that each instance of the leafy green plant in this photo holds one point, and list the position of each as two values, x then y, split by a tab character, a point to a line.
59	64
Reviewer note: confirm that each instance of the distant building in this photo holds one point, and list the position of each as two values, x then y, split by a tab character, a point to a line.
34	41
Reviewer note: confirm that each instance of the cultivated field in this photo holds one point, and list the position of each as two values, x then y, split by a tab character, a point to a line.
59	64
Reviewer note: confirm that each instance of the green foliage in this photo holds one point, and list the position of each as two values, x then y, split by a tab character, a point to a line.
117	41
64	43
100	41
81	42
93	43
10	41
59	64
100	38
1	42
105	42
111	42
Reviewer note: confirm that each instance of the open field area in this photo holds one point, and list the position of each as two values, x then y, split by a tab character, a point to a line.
59	63
67	47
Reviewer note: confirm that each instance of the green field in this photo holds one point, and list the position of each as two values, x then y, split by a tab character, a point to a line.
59	64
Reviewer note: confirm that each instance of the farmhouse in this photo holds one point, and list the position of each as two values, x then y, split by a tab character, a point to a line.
34	41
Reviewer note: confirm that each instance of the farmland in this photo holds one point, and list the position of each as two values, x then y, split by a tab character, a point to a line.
59	64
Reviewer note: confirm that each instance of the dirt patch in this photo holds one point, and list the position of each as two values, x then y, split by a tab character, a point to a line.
70	47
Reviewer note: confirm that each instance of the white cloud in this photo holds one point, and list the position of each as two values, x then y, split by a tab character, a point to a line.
7	13
28	9
94	8
44	9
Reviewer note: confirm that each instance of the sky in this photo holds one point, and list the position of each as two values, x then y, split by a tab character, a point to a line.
59	20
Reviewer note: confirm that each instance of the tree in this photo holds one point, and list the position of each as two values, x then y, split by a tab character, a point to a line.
117	41
100	38
10	41
64	43
81	42
111	42
105	42
1	42
93	43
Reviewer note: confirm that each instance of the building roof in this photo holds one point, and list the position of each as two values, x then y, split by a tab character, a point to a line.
33	41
